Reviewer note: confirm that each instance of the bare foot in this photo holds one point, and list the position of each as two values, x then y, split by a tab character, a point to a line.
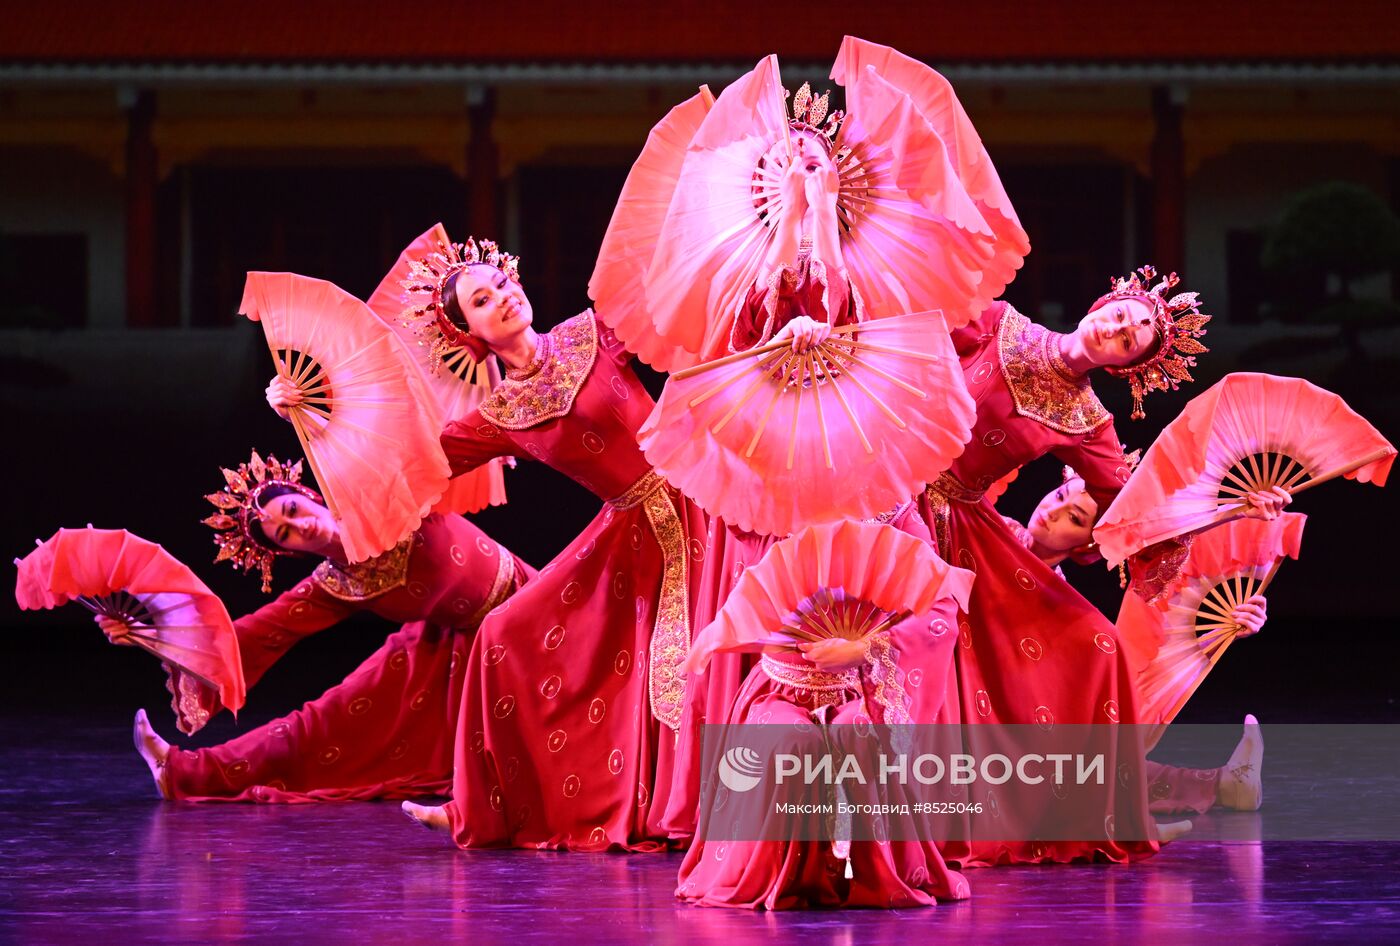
153	749
1241	784
432	817
1171	830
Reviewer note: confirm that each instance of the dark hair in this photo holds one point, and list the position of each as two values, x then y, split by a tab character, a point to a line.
450	306
267	495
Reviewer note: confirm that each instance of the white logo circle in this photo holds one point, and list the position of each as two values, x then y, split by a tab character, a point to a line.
740	769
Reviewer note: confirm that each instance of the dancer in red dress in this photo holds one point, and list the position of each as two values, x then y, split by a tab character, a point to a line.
1060	529
829	695
574	690
1031	650
386	730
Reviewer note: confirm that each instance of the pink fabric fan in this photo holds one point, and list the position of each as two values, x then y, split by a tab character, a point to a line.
1245	434
771	441
1175	641
936	101
373	448
844	579
616	287
172	614
912	237
458	386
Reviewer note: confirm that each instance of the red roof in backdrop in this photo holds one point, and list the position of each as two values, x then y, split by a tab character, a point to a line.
626	31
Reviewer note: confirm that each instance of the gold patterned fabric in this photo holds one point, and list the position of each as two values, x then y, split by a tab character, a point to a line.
506	581
670	634
1043	388
1155	568
367	579
938	494
826	687
546	388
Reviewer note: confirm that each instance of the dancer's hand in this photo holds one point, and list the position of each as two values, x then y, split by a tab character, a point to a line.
283	395
806	333
793	185
1250	615
834	654
117	631
1267	504
821	189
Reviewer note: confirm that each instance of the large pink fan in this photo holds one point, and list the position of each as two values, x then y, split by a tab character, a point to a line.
1245	434
844	579
1176	640
171	613
372	446
936	101
459	384
771	441
911	236
617	287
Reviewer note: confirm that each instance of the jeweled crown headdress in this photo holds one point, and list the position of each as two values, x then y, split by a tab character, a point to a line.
236	533
1179	322
423	289
814	114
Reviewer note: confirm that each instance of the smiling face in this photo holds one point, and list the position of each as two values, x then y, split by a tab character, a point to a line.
293	522
1064	520
1117	333
494	305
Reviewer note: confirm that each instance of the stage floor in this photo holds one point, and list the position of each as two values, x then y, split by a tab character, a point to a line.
90	856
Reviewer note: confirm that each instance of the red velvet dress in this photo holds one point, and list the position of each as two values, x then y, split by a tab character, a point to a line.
790	292
1032	650
386	730
902	681
573	690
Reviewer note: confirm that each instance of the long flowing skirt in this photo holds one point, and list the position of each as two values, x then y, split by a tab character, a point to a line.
384	732
561	741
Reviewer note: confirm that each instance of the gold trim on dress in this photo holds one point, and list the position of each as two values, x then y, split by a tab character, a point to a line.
506	582
1042	386
670	633
889	683
825	686
546	388
367	579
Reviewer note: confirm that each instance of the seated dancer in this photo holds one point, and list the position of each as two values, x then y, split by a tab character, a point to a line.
386	730
573	690
1031	650
830	692
1060	529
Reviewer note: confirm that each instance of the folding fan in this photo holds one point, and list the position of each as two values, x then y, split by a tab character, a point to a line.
911	236
772	441
844	579
373	448
1245	434
171	613
459	385
1177	639
616	286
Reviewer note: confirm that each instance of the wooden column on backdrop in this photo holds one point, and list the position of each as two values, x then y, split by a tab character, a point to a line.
141	179
1168	179
483	164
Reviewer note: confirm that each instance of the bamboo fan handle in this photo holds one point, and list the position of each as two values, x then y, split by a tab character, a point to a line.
1341	471
729	360
1264	585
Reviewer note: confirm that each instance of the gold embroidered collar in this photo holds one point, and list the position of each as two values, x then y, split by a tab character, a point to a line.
546	388
367	579
1043	387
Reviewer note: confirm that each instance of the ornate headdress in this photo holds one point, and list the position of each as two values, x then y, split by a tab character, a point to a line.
236	533
812	114
1178	321
423	291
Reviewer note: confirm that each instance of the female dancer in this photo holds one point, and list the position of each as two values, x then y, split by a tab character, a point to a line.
1031	650
386	730
1060	529
574	690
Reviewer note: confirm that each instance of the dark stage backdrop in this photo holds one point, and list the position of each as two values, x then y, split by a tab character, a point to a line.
133	437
